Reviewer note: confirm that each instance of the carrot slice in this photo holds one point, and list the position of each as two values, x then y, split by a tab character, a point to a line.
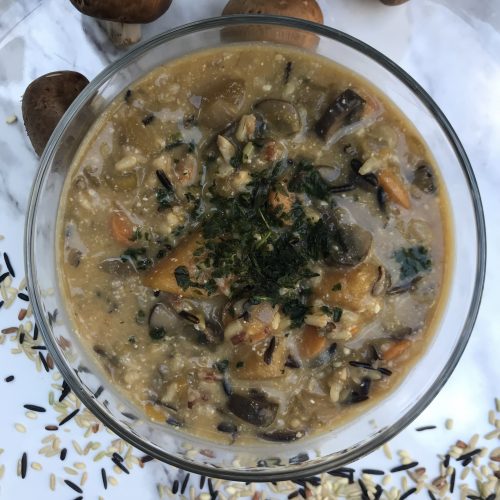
394	187
312	343
396	350
121	228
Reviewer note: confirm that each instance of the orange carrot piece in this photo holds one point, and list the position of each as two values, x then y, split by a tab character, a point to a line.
396	350
121	228
312	343
394	187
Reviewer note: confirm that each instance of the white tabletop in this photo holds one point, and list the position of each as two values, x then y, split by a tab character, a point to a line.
451	47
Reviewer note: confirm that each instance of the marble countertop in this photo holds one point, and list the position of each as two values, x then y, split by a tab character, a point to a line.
451	47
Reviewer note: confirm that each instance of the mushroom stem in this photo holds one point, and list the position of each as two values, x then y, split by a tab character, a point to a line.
121	34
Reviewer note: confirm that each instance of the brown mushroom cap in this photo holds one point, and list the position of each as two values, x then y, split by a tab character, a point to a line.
393	2
302	9
123	11
45	101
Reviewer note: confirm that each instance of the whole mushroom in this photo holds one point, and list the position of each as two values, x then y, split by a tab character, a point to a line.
393	2
122	18
45	101
302	9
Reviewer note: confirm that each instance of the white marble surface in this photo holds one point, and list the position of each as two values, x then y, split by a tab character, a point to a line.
452	47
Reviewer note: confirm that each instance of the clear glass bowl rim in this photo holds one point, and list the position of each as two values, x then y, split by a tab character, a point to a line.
280	473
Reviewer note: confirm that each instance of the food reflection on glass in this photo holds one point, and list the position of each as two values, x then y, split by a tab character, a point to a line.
254	244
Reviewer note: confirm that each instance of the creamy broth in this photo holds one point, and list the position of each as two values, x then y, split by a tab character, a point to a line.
253	244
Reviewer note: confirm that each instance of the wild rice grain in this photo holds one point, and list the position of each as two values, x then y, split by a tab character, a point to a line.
408	493
39	409
425	428
52	482
403	467
68	417
8	264
24	465
23	296
63	453
104	479
185	483
44	362
73	486
10	378
175	487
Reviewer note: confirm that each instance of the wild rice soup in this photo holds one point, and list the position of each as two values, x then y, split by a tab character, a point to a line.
253	243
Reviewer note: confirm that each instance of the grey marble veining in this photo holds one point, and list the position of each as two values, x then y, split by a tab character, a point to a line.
451	47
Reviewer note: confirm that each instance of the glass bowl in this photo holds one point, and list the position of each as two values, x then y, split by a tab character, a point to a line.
262	461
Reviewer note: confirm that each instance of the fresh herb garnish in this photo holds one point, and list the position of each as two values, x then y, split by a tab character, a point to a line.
337	314
337	287
138	257
412	261
181	274
307	179
164	197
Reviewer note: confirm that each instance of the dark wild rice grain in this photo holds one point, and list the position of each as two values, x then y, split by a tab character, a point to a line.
202	481
10	329
51	428
145	459
73	486
268	354
175	487
363	488
384	371
104	478
68	417
210	487
164	180
378	492
23	296
10	378
373	472
1	303
189	317
185	483
148	119
65	391
425	428
400	468
3	276
452	480
431	495
214	495
35	332
78	498
120	465
98	392
408	493
117	456
21	337
9	265
446	460
44	362
24	465
361	364
38	347
469	455
302	493
63	454
293	495
38	409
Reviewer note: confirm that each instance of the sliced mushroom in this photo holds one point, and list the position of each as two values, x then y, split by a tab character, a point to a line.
280	117
349	244
424	179
117	267
282	435
45	101
256	408
344	110
163	317
222	103
122	18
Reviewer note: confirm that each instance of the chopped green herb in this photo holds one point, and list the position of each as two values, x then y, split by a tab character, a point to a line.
240	364
157	332
337	287
412	261
221	365
337	314
138	257
308	180
132	339
181	274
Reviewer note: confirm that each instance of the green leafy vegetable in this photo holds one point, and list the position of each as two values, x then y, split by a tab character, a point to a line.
181	274
157	332
412	261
